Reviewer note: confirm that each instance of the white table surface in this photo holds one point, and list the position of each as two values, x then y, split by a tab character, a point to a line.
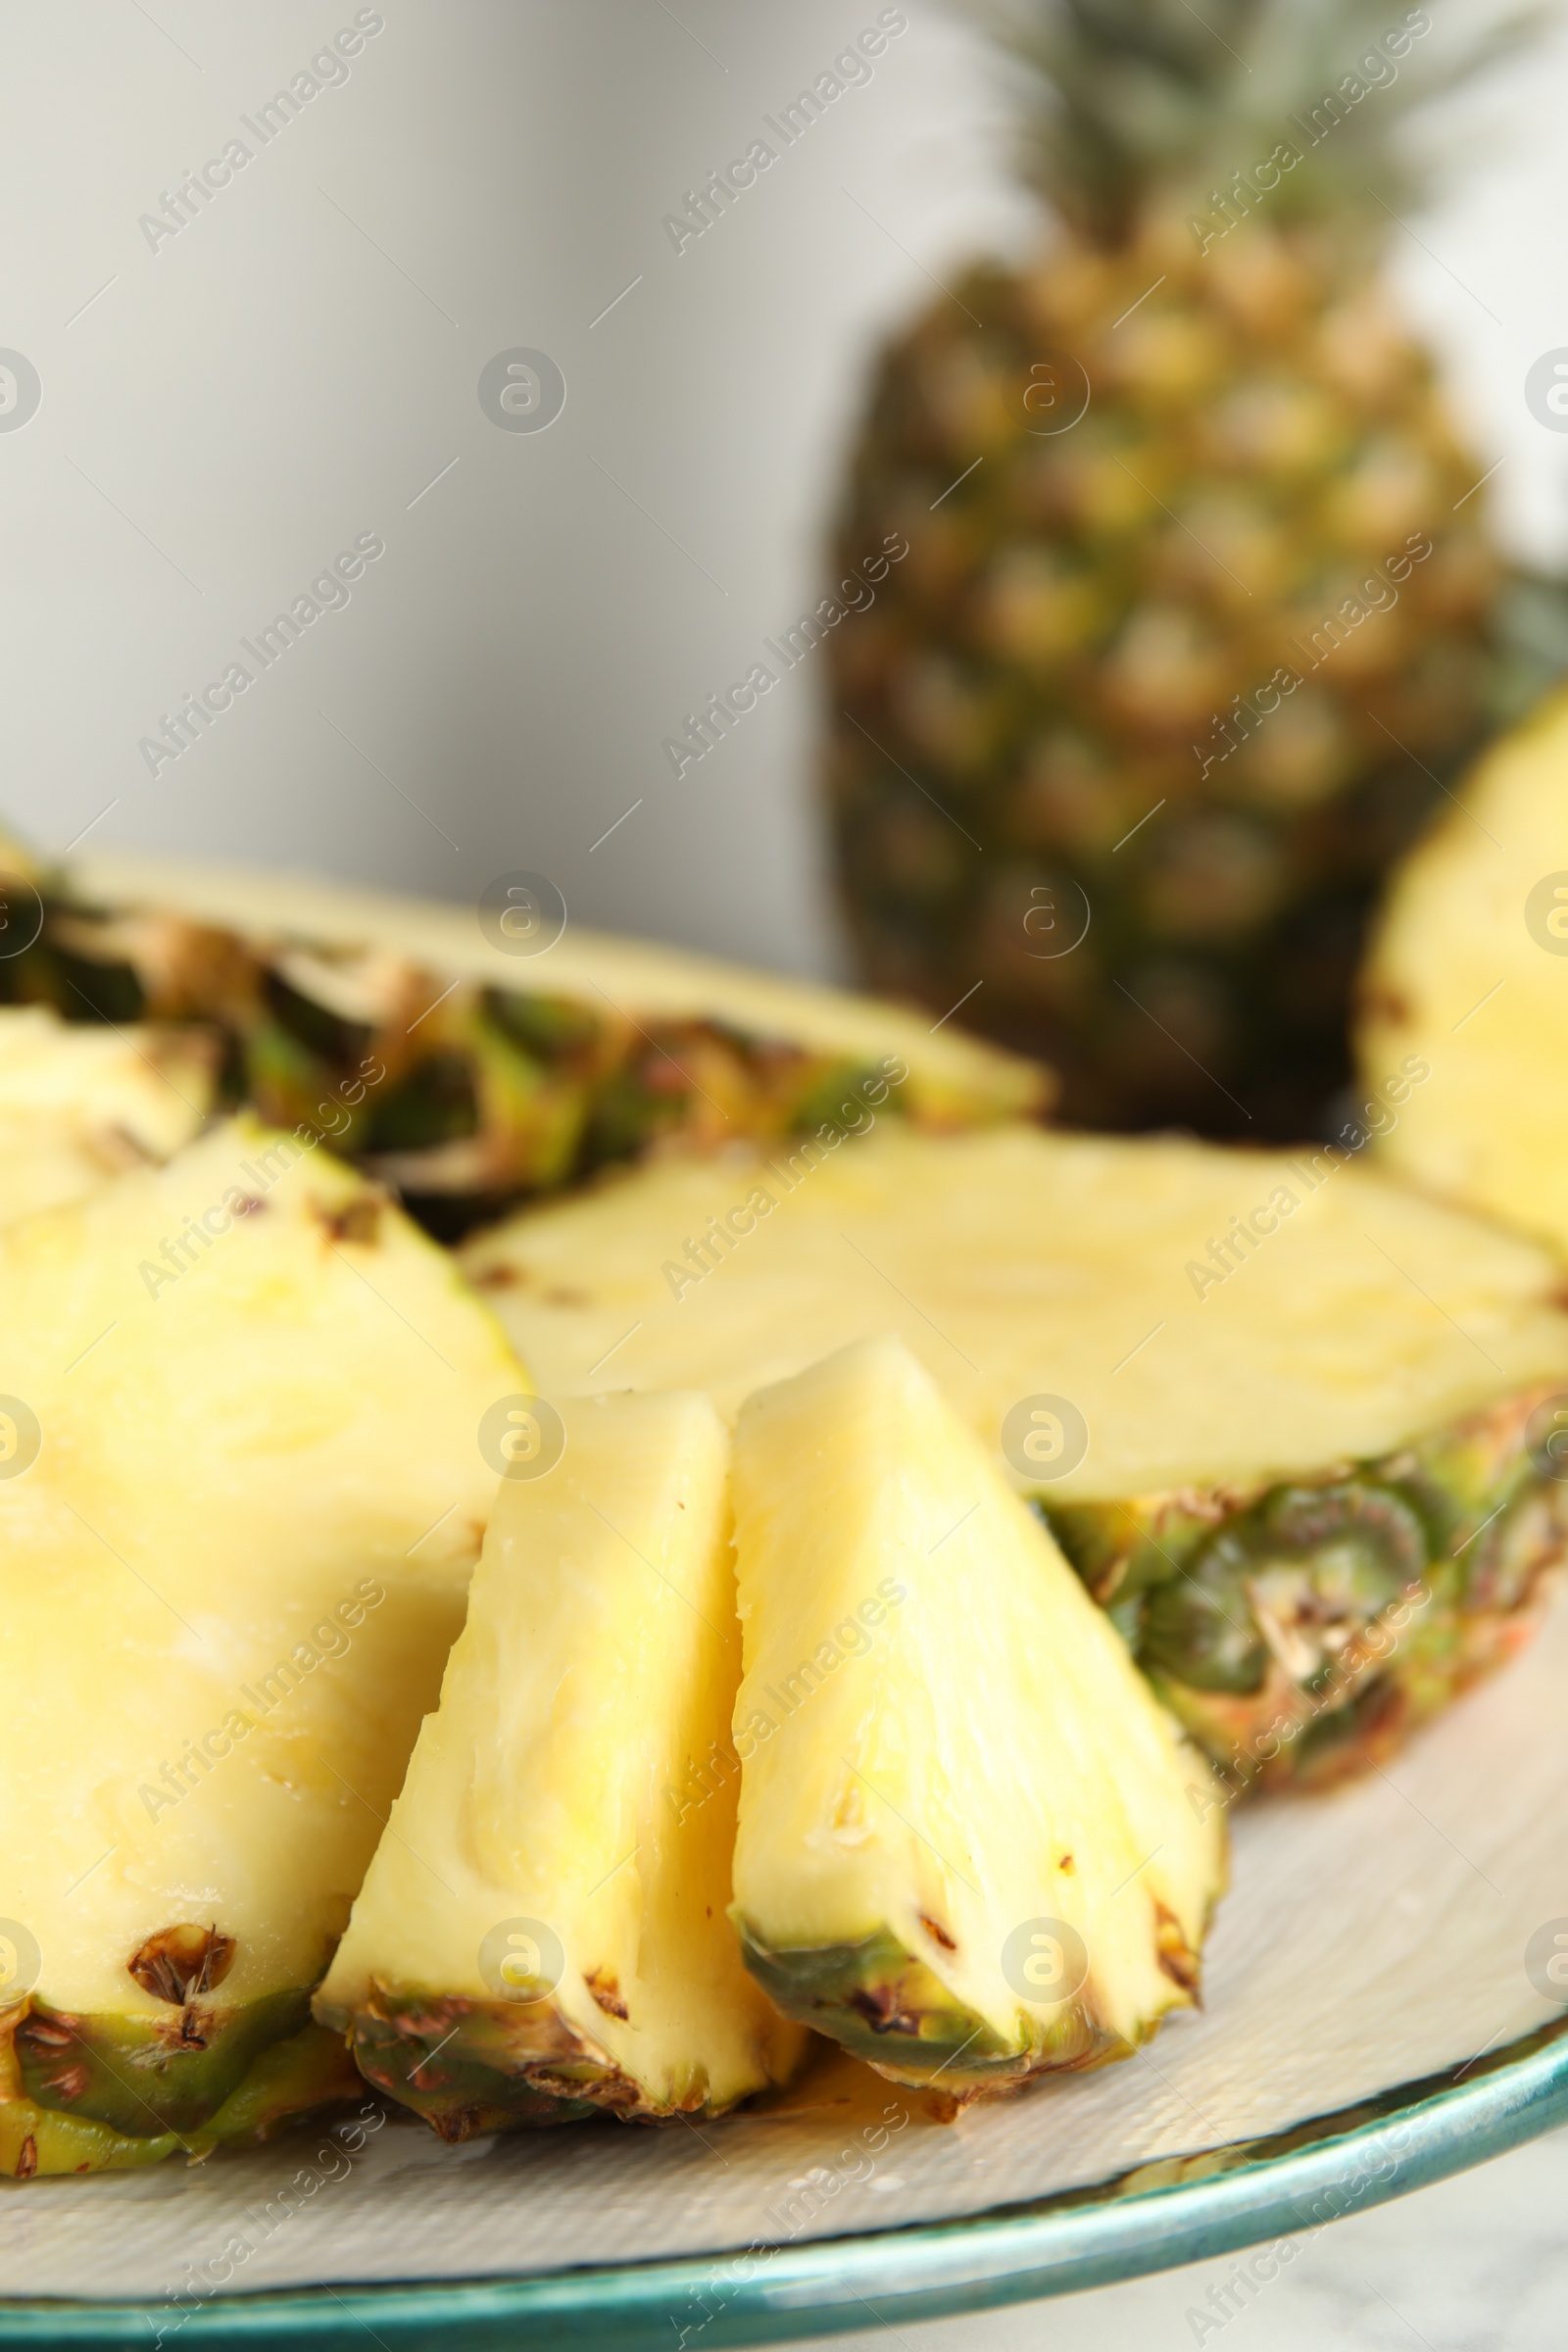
1475	2264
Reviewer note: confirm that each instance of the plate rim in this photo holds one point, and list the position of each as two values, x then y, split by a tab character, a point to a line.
1231	2197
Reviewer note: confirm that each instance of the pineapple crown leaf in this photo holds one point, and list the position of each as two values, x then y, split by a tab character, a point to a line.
1136	103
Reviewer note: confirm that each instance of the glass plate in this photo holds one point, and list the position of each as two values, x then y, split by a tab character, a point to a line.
1178	2211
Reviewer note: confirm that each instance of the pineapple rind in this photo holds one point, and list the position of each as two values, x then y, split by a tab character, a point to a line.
288	2082
455	2063
882	2003
1483	1532
142	2075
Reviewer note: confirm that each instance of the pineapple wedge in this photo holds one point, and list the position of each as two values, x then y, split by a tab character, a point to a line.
1293	1436
543	1932
78	1105
241	1494
466	1064
971	1846
1469	972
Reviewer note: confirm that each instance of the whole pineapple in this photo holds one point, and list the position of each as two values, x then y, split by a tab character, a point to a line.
1198	599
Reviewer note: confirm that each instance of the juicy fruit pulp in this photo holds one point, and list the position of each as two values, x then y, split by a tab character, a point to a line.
465	1075
955	1790
1470	969
543	1930
242	1496
79	1105
1228	1328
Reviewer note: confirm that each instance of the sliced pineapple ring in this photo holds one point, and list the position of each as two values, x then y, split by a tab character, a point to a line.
1196	1329
544	1924
241	1493
971	1846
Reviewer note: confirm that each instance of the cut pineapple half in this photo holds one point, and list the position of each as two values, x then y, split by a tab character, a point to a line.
543	1930
78	1105
1290	1409
971	1846
241	1494
467	1056
1468	975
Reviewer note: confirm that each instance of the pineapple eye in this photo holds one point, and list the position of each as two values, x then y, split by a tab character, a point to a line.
179	1963
358	1220
1294	1579
1200	1629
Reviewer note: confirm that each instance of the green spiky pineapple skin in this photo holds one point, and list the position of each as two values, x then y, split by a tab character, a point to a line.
1042	673
139	2074
882	2003
288	2083
1482	1528
452	2061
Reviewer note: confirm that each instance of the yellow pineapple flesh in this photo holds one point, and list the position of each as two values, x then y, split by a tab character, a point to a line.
79	1105
1281	1412
241	1494
543	1932
1469	971
971	1846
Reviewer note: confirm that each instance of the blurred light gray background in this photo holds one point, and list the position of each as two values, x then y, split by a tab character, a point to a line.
224	408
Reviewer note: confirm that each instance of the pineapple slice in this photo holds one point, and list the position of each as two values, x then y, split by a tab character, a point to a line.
971	1847
465	1062
543	1930
1468	977
241	1494
1300	1457
79	1105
